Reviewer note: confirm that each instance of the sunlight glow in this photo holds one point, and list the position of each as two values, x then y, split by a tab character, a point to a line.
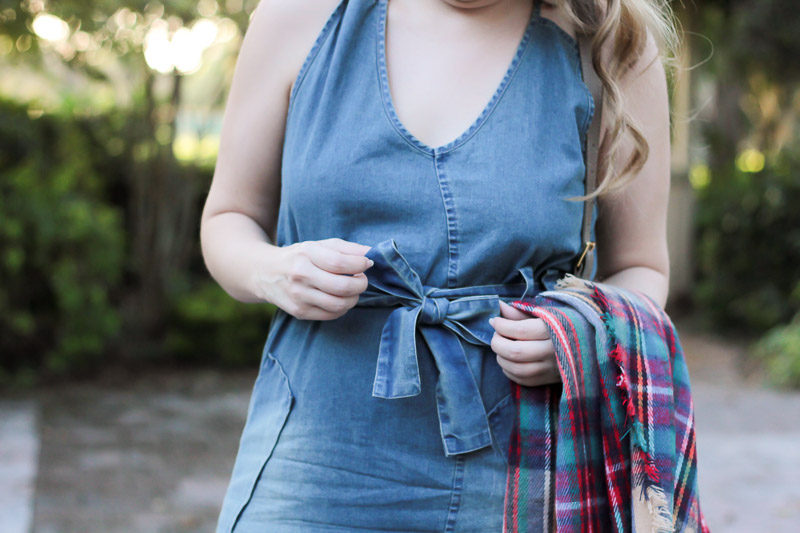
700	176
205	32
750	160
187	147
50	28
158	49
187	52
183	51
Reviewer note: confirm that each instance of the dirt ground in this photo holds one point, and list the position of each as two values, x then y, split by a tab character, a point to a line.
152	452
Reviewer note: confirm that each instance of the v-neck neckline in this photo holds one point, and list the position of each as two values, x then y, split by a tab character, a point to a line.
498	92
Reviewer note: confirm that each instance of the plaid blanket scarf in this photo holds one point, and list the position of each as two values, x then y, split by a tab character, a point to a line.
612	447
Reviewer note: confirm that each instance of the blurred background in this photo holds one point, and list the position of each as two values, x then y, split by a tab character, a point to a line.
125	371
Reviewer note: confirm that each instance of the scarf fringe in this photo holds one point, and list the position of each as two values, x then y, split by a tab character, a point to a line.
645	470
570	281
659	510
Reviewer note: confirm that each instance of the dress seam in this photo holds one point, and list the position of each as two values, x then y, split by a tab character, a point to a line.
455	496
452	223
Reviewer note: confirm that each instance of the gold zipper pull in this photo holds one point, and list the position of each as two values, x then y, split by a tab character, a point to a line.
590	245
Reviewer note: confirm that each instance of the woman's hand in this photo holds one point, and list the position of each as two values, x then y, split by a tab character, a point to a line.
315	280
524	348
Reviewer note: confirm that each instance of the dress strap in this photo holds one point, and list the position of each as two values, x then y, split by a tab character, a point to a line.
537	8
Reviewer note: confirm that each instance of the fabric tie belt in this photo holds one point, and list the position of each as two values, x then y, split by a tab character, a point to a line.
445	318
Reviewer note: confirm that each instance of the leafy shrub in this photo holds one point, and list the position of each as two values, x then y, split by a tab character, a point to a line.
61	247
206	325
748	246
68	271
779	350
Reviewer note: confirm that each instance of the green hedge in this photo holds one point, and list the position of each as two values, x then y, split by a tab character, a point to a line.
779	350
65	262
749	261
61	247
748	247
206	325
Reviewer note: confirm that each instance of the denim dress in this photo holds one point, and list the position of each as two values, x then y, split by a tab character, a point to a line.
396	416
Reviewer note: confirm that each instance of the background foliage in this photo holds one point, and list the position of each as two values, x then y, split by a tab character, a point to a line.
70	286
748	246
62	244
109	117
748	190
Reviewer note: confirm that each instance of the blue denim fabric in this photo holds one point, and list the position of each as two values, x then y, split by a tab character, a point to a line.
377	421
445	318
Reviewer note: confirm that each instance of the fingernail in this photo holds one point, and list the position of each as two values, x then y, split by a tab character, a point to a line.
370	262
491	321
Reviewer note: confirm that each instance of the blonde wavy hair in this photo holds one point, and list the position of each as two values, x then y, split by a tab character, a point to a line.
625	24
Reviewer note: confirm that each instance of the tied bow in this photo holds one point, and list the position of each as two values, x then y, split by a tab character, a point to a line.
445	318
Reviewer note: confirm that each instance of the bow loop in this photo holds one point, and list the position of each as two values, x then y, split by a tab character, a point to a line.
469	318
433	310
397	372
443	323
392	275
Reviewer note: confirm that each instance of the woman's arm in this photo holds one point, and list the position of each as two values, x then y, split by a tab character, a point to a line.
631	232
632	224
312	279
239	216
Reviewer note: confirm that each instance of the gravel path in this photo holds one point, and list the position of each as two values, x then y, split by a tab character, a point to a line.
748	442
152	453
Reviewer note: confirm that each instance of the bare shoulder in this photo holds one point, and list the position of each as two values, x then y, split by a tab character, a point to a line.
247	173
287	29
555	13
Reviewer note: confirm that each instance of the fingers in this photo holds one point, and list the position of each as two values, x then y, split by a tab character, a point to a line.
306	311
526	329
542	375
521	351
312	298
330	271
524	350
331	258
322	280
339	285
509	311
517	372
345	247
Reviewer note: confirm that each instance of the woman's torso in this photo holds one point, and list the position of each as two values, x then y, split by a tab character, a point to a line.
352	170
468	212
